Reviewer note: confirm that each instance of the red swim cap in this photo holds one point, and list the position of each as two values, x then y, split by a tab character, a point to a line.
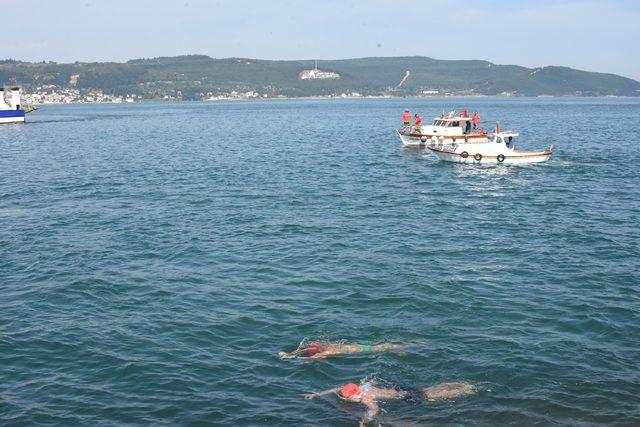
350	390
314	348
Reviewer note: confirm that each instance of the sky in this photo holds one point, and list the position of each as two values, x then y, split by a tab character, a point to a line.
589	35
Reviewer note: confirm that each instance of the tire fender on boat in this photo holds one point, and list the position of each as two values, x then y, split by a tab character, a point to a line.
500	158
478	157
464	154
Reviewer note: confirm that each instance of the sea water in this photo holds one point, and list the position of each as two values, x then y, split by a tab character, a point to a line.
154	259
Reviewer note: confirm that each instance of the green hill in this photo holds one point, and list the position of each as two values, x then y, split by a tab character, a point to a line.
199	76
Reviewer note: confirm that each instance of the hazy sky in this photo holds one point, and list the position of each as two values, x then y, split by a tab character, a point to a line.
590	35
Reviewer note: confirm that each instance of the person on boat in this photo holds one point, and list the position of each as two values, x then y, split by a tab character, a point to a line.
418	121
406	118
476	120
322	349
467	127
369	395
464	113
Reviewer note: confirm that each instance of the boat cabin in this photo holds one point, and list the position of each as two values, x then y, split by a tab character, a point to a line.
13	102
460	124
444	130
505	138
450	125
451	121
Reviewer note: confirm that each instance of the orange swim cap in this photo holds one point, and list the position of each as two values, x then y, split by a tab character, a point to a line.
350	390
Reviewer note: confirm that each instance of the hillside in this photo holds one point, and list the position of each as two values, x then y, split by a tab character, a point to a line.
199	76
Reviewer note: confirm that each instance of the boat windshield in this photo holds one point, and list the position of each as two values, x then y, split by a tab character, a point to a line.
446	123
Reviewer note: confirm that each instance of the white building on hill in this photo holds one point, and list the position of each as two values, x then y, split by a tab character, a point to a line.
317	74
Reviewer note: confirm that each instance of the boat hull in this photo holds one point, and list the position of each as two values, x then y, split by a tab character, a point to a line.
515	157
11	116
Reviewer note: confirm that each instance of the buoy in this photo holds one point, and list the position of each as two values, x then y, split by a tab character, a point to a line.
423	138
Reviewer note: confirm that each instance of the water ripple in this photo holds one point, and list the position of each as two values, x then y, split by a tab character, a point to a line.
155	258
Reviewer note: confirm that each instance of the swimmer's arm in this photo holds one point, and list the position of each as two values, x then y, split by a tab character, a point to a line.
284	355
321	393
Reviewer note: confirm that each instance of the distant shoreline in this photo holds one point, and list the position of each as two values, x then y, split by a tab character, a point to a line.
199	77
328	98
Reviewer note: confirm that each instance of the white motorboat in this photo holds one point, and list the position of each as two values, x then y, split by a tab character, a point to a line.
447	130
499	148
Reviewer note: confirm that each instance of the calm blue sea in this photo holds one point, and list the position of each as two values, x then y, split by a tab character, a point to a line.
155	258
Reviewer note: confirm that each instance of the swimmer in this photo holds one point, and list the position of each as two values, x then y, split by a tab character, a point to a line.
369	395
320	350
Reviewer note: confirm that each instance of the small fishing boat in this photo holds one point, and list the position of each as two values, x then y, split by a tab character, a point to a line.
499	148
445	130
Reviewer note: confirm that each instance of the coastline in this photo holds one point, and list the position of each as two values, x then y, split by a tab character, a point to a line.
334	98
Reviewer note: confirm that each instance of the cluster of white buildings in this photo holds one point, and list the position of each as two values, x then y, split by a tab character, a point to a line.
348	95
209	96
317	74
50	94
